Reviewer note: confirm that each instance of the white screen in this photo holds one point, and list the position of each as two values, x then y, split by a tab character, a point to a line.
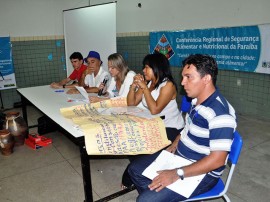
90	28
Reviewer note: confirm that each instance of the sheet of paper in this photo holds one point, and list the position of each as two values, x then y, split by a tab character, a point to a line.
117	134
167	161
83	92
131	110
112	102
76	98
122	135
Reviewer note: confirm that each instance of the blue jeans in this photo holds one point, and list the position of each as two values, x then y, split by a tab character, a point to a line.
172	133
165	195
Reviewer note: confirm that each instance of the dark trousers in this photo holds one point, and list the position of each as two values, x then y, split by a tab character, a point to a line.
172	133
146	195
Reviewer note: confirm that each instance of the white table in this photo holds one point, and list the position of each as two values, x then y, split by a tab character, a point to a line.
49	102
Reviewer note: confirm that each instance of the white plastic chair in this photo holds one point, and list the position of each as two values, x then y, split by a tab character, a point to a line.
220	189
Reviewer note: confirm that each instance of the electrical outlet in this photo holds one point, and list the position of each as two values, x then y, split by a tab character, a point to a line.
238	82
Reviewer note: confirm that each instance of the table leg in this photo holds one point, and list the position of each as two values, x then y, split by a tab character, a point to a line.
24	108
86	174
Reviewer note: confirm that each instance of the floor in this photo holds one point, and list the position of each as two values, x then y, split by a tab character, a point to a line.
53	173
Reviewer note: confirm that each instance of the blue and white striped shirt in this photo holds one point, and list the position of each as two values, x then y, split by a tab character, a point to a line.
209	127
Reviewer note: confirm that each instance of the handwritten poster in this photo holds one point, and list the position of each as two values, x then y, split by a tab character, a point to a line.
123	135
79	111
113	102
89	109
117	134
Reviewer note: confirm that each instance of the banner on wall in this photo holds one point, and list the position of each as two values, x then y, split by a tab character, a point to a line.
244	48
7	75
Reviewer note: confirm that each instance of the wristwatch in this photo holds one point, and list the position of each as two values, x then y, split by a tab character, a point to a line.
64	85
180	173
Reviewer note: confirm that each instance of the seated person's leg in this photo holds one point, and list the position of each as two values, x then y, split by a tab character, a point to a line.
136	168
161	196
172	133
207	183
126	181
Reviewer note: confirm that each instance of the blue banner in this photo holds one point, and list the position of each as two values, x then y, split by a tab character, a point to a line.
236	48
7	75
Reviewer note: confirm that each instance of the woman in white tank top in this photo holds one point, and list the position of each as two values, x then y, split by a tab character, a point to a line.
157	91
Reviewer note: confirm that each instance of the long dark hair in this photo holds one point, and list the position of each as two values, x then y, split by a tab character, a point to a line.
160	66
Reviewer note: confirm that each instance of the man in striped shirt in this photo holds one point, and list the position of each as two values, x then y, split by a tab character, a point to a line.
205	140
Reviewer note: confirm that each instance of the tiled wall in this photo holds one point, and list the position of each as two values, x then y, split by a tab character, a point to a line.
41	60
248	92
37	61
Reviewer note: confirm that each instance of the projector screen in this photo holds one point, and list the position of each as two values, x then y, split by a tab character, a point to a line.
90	28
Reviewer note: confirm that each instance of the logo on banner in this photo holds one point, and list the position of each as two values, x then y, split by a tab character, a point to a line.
163	46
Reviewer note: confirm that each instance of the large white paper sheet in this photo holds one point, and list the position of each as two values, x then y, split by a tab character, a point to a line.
168	161
131	110
83	92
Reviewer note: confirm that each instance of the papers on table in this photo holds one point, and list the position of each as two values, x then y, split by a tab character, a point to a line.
83	92
131	110
76	98
117	134
168	161
81	97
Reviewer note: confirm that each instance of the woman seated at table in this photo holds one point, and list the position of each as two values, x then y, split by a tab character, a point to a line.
157	91
121	81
